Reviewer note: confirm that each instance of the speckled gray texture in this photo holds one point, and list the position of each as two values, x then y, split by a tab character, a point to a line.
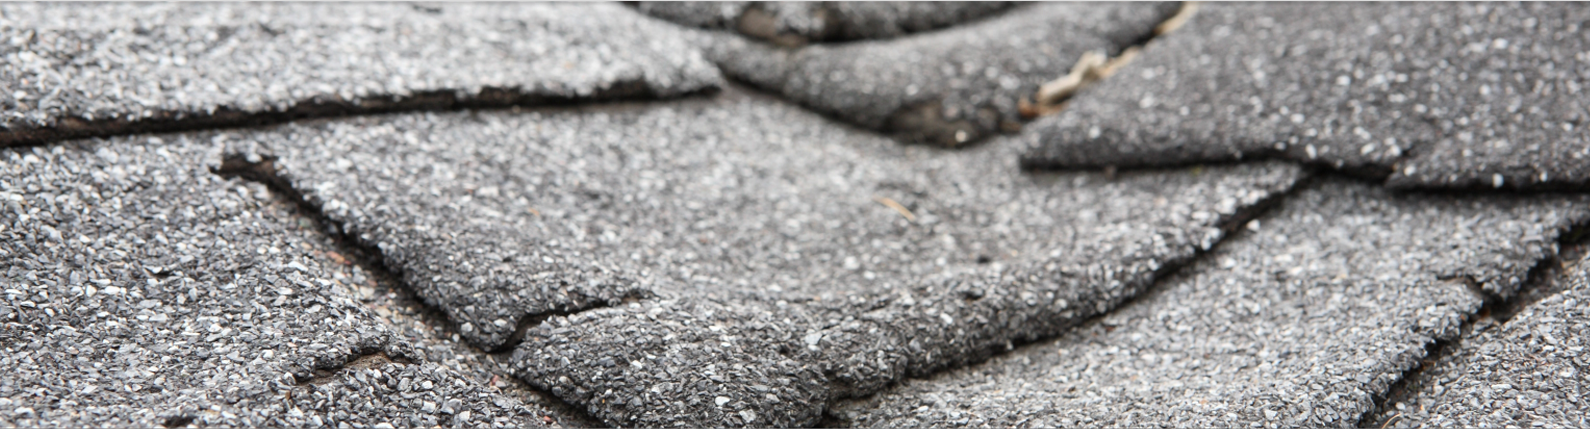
798	23
1431	94
947	87
70	70
679	362
142	290
1298	321
741	200
1530	372
1514	103
735	260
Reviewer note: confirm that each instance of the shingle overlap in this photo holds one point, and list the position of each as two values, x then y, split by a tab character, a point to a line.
1300	320
1427	95
140	289
949	87
70	71
454	227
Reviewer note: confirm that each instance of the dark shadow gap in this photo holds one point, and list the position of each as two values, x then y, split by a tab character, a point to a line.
367	359
1371	176
1376	175
178	421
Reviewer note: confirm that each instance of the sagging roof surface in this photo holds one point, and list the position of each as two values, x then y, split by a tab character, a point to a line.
792	214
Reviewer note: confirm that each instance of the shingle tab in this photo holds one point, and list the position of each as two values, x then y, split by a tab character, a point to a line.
948	87
1432	95
1300	320
896	259
69	71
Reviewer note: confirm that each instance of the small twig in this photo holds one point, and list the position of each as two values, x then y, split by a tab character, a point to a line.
1393	418
1092	67
896	206
1083	72
1176	21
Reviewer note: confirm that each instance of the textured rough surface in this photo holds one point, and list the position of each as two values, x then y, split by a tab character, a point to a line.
1532	371
142	290
507	253
948	87
681	362
798	23
773	209
1433	94
1299	321
70	70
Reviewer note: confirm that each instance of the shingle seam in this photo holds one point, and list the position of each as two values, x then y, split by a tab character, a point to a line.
369	258
905	124
1496	311
1230	227
1368	172
751	13
70	128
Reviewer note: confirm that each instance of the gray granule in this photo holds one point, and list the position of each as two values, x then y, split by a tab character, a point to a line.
737	199
1529	372
1301	320
799	23
69	70
140	289
1427	94
948	87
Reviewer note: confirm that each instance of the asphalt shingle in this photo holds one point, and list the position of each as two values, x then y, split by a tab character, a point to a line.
73	71
734	260
1529	372
1422	95
853	254
947	87
140	289
1299	321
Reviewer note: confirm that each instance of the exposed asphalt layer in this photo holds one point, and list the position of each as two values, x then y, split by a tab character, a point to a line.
1424	95
758	209
1530	372
1299	321
72	71
799	23
141	290
947	87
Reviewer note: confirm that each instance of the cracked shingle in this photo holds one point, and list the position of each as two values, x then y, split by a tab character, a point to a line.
1302	320
140	289
863	260
1529	372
